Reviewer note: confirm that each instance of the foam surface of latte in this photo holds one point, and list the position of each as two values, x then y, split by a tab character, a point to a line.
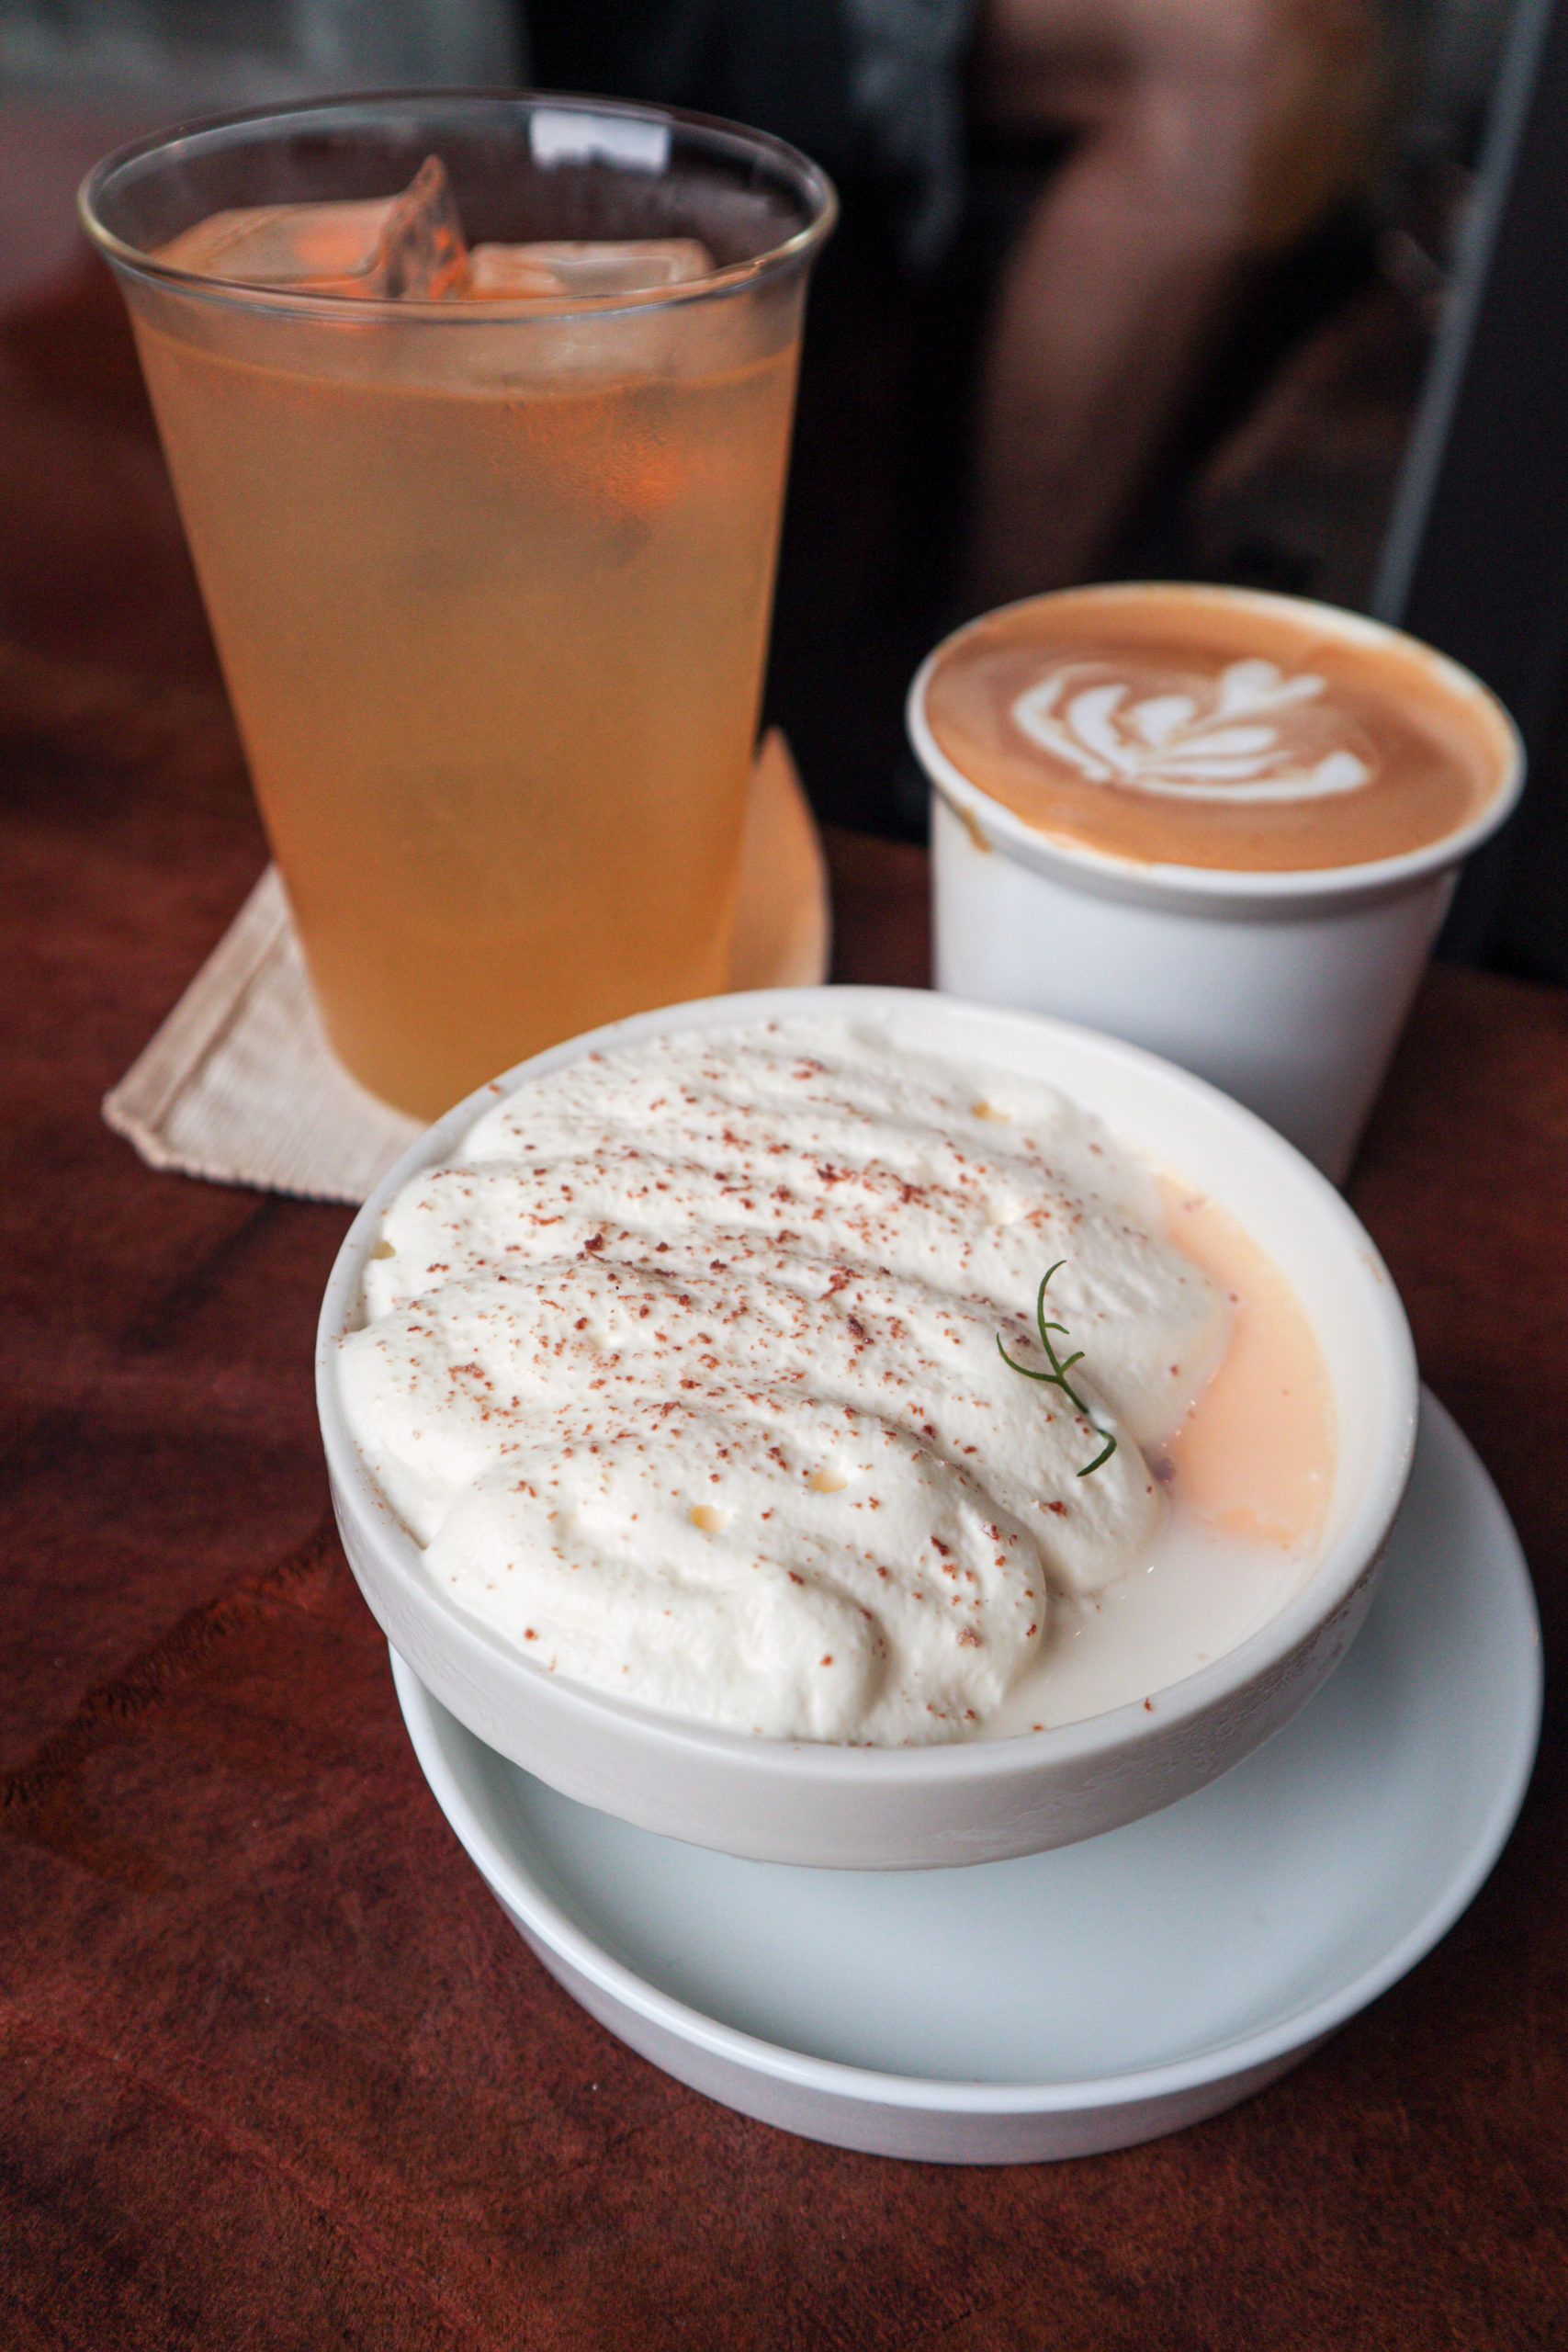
1180	725
685	1375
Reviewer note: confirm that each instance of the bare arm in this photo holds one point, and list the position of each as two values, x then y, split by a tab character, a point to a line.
1211	131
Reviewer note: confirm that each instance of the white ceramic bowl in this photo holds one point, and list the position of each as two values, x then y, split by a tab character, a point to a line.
914	1808
1288	990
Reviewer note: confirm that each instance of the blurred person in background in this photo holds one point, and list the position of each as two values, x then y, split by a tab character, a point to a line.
1207	141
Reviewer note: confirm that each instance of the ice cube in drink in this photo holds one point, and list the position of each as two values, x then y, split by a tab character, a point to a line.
421	253
412	247
283	245
409	245
636	265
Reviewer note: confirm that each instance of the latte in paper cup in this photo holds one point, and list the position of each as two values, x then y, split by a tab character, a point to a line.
1220	824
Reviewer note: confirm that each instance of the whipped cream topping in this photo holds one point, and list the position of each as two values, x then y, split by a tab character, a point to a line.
1251	734
685	1374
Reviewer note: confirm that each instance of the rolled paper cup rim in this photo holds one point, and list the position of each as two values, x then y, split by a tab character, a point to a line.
1210	889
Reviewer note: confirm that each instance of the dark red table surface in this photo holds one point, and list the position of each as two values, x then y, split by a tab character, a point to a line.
274	2069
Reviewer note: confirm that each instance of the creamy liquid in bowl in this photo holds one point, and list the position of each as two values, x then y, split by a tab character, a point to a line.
1192	727
685	1374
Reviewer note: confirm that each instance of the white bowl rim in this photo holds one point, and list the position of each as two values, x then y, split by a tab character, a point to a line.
1352	1555
1302	888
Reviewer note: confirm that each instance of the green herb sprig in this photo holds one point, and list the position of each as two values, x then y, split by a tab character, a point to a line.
1058	1375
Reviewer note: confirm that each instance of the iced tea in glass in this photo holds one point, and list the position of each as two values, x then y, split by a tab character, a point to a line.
488	546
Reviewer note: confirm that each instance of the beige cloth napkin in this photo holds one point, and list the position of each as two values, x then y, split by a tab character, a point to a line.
240	1084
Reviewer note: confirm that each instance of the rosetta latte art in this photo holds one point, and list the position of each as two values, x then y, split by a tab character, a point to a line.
1251	734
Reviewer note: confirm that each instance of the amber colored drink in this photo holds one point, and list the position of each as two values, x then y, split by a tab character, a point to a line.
495	655
477	409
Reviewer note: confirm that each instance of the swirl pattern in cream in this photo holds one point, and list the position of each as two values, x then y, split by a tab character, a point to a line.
1251	734
685	1376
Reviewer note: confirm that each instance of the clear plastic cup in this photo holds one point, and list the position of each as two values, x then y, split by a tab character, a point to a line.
491	579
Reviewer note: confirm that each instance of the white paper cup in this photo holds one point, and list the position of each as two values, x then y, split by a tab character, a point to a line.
1288	991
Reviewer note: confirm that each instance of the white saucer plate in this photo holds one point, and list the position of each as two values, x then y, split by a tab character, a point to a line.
1069	2002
